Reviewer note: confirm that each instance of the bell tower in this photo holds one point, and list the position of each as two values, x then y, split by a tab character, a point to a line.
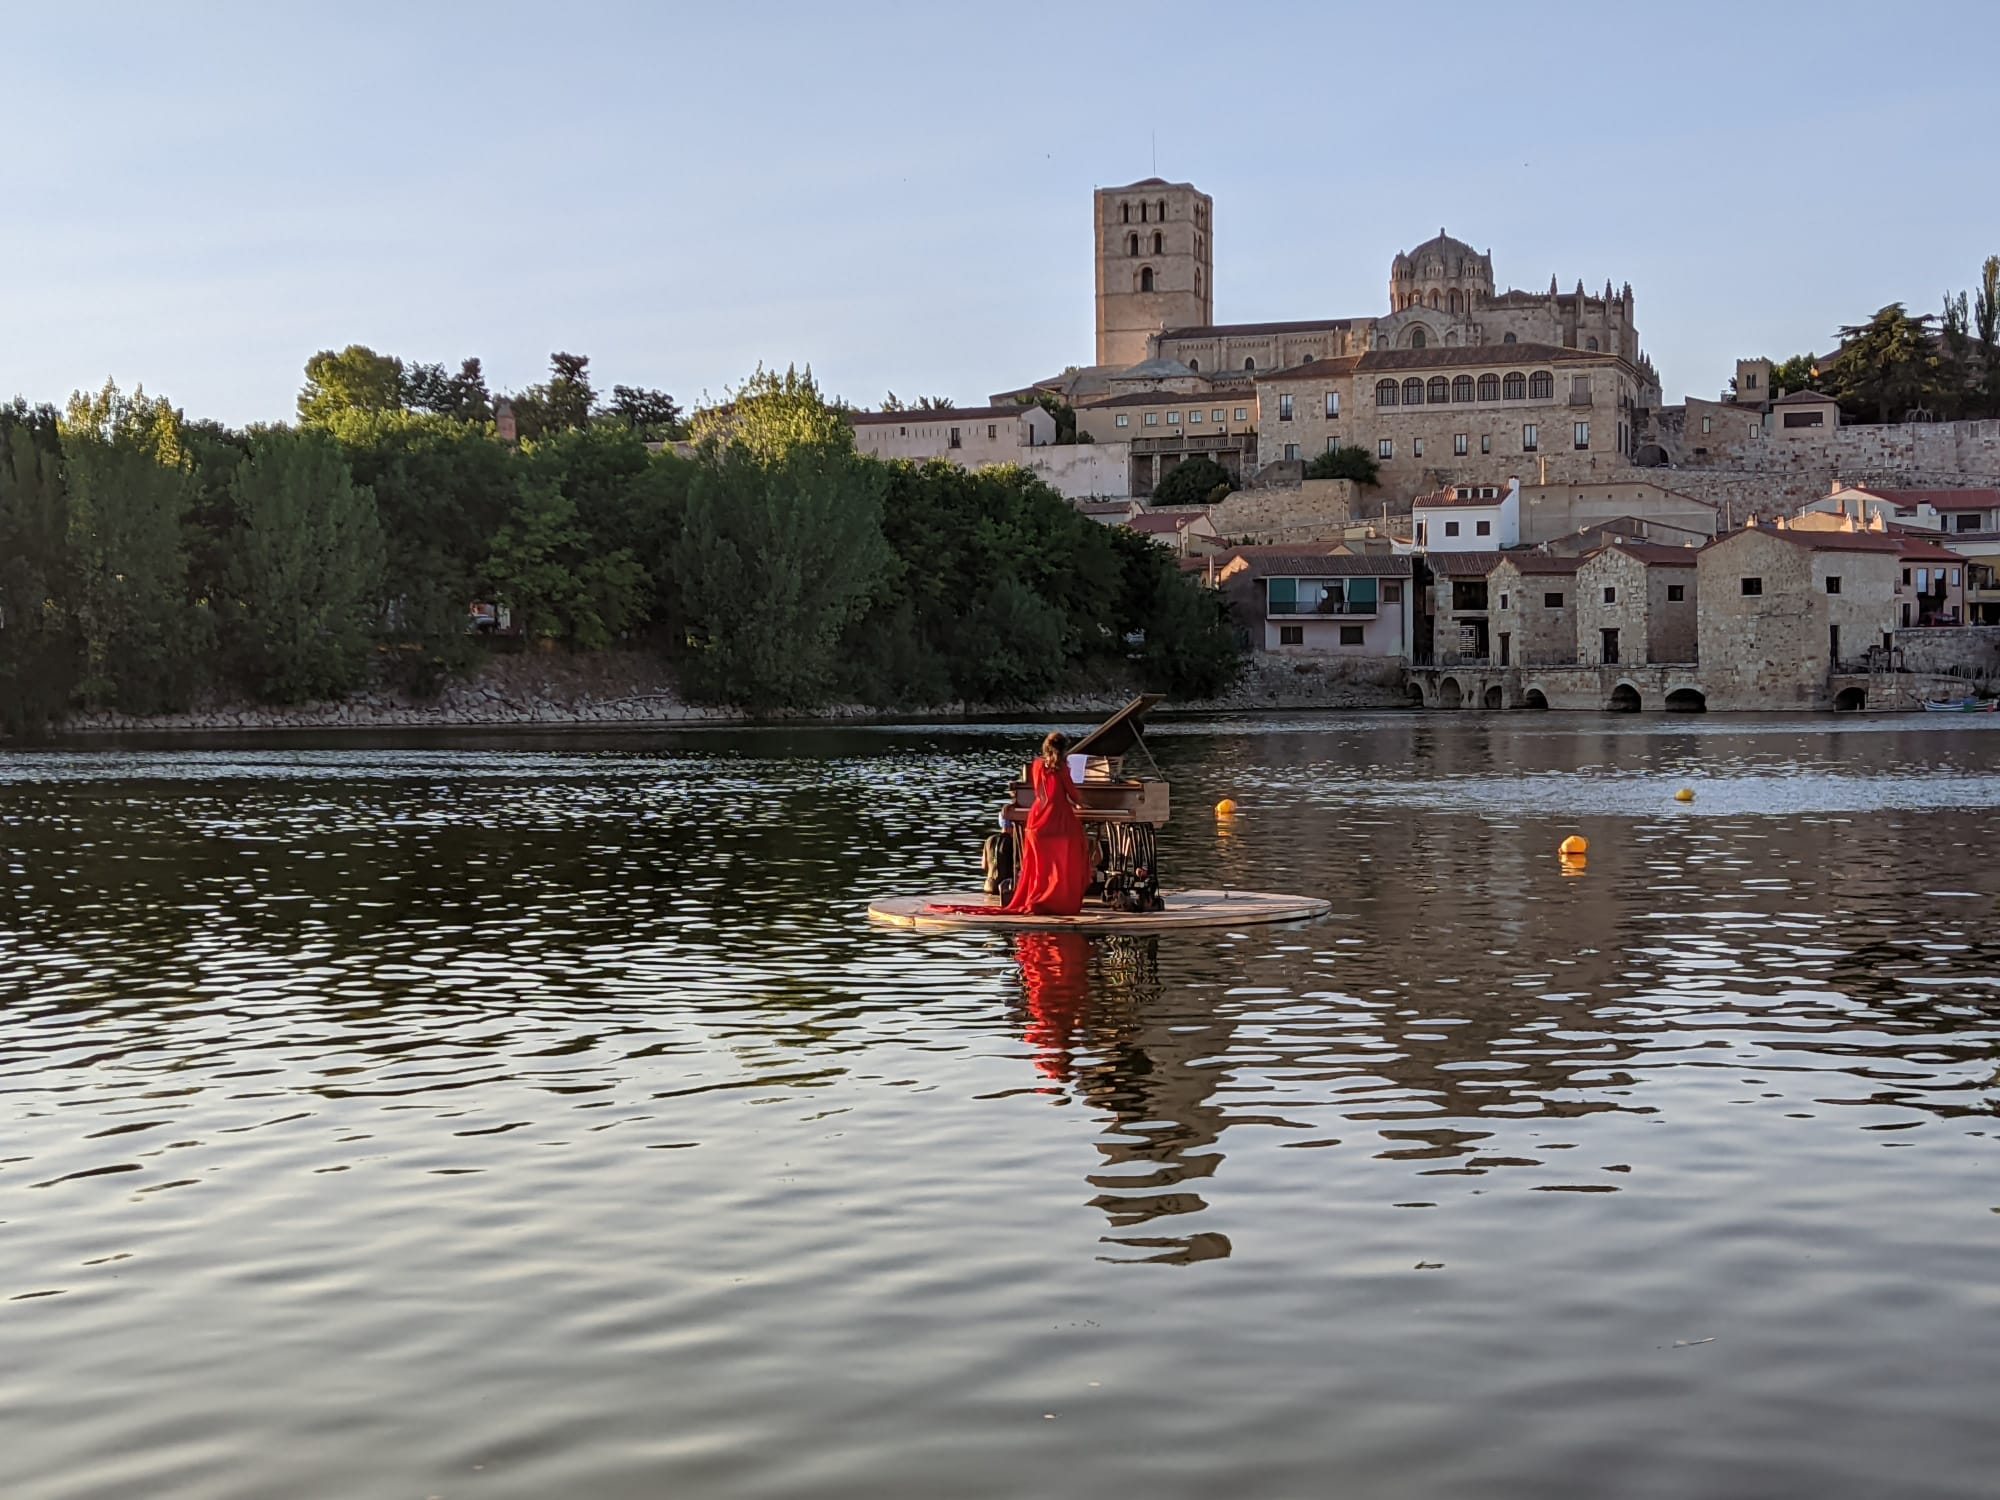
1155	265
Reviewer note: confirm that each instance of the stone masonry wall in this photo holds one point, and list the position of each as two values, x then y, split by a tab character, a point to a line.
1964	651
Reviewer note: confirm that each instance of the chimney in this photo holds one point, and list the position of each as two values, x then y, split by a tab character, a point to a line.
1875	522
503	420
1750	521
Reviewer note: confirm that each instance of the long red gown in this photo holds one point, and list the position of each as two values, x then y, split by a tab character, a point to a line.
1055	855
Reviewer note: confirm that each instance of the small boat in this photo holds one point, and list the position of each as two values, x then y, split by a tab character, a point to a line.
1963	706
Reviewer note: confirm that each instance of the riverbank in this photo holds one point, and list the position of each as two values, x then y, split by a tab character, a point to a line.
634	689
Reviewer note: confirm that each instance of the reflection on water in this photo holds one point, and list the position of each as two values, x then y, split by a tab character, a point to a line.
539	1117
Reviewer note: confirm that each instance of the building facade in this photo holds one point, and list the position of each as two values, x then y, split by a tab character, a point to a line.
1637	605
1155	265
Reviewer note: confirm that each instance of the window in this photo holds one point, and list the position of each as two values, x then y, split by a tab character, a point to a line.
1333	403
1580	435
1392	593
1906	578
1489	388
1833	583
1194	418
1291	635
1351	635
1439	391
1413	392
1195	364
1173	419
1541	386
1125	213
1515	386
1967	522
1482	528
1461	388
1132	245
1451	528
1707	423
1503	601
1197	281
1507	338
1145	278
1552	601
1610	595
1579	390
1163	210
1752	587
1530	436
1416	338
1954	578
1159	243
1385	393
1485	442
1610	648
1142	212
1591	345
1152	419
1461	443
1249	364
1217	415
1417	448
992	430
1805	419
1242	414
954	437
1284	408
1332	441
1422	539
1386	448
1291	450
1676	593
1124	419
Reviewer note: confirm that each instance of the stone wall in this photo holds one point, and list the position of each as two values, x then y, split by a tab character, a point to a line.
1965	651
1774	649
1307	511
1082	471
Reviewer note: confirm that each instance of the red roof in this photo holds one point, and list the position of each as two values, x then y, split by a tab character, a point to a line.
1921	551
1656	554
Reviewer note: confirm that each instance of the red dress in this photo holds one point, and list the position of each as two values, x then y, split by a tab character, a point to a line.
1055	855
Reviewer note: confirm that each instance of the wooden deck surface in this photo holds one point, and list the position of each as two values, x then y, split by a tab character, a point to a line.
1184	909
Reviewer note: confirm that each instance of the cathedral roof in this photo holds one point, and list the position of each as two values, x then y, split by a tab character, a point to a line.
1437	358
1243	330
1156	369
1445	245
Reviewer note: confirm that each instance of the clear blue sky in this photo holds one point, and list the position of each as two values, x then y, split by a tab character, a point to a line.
198	197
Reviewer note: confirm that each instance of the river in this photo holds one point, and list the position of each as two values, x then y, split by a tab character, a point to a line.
528	1117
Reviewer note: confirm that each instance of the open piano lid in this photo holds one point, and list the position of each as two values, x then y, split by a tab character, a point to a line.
1118	734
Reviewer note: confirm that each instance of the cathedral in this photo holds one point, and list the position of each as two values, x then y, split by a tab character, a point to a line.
1156	323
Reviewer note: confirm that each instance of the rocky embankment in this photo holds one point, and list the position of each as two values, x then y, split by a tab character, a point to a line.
616	688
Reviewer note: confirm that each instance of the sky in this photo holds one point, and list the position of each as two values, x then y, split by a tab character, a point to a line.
196	198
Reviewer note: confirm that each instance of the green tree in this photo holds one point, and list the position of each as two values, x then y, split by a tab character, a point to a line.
1192	481
772	414
1958	371
557	585
38	639
1349	461
651	415
777	555
1986	327
304	569
1186	645
355	379
1887	366
1799	373
132	491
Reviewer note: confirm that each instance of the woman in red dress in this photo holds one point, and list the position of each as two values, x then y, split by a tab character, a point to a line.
1055	855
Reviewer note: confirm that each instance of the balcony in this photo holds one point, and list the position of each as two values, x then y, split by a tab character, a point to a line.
1325	607
1198	442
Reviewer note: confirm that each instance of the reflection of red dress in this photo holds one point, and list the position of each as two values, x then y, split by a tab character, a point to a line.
1055	855
1055	981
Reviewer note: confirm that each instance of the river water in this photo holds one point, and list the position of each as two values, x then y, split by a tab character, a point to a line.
540	1117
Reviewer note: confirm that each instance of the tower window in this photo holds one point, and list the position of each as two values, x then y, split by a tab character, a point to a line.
1591	345
1158	242
1142	213
1507	338
1249	364
1132	245
1124	213
1195	364
1145	278
1197	281
1163	210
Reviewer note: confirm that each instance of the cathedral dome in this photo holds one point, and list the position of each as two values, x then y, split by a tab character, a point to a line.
1443	273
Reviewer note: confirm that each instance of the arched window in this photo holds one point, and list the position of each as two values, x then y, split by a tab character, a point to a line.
1197	281
1451	300
1249	364
1413	391
1461	388
1508	339
1434	297
1515	386
1541	386
1591	345
1145	278
1489	388
1195	364
1439	391
1142	213
1132	245
1124	213
1385	393
1163	210
1416	338
1157	242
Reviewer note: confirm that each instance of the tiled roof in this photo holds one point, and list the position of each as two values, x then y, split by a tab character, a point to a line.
1170	398
1317	369
1251	330
1823	541
1802	398
1320	565
1542	562
1935	499
955	414
1451	357
1446	500
1656	554
1922	551
1466	564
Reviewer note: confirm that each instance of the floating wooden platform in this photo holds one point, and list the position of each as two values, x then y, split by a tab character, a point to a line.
1184	909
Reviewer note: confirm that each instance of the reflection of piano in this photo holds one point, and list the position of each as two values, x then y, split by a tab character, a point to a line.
1124	799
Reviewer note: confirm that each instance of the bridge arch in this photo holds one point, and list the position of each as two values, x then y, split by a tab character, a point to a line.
1687	700
1625	699
1450	694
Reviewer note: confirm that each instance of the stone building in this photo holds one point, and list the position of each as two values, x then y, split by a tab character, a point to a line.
1164	427
1554	511
1636	604
971	437
1155	265
1533	619
1780	608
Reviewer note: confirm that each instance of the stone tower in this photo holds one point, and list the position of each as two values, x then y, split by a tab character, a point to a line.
1155	265
1444	274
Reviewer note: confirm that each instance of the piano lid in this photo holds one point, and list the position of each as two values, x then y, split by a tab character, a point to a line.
1119	733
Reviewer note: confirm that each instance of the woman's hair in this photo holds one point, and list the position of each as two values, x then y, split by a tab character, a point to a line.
1054	748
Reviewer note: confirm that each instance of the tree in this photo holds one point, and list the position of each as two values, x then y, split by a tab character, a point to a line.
38	644
1192	481
558	586
355	379
652	415
1187	648
305	566
131	491
1887	366
776	557
1986	325
1062	411
1349	461
772	414
1799	373
562	404
1958	375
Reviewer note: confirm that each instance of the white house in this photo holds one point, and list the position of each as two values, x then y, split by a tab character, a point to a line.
1294	601
1469	518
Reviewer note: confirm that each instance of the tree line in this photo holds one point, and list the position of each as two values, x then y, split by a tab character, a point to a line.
149	561
1900	365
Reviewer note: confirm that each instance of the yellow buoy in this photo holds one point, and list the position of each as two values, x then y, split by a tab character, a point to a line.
1575	846
1226	808
1685	794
